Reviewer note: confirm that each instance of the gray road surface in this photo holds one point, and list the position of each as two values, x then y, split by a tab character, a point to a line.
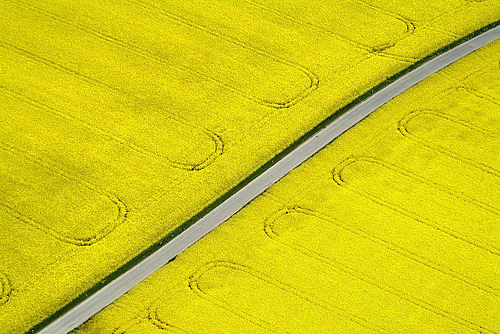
221	213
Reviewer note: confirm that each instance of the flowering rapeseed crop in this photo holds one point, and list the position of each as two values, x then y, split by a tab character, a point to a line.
120	120
392	228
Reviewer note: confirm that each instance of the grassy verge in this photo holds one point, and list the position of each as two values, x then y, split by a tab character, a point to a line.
171	235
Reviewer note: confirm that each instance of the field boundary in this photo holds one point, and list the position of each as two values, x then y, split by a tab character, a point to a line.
50	325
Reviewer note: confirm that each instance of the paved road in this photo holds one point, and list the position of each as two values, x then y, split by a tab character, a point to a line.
221	213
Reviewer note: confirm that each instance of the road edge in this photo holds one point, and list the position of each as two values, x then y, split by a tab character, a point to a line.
44	325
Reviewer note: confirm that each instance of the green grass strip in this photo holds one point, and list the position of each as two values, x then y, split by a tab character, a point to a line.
171	235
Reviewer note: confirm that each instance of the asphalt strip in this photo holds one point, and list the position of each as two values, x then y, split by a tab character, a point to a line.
123	283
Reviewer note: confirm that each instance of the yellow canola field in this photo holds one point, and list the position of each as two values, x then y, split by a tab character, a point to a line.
392	228
120	120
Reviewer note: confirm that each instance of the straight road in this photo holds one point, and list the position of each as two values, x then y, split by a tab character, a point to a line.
109	293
